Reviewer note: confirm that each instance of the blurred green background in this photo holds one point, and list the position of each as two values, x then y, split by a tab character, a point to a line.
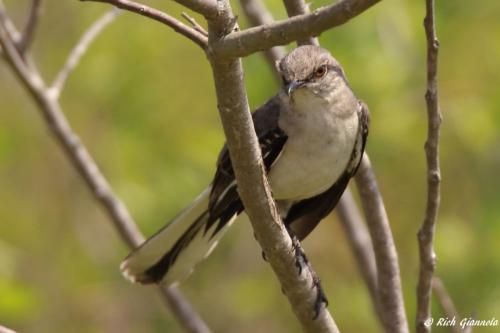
143	102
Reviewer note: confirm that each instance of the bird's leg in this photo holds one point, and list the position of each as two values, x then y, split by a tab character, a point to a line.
300	255
300	260
320	296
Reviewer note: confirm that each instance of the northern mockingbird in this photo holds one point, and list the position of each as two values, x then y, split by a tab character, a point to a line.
312	135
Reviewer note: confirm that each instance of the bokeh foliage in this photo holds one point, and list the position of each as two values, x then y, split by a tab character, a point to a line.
143	102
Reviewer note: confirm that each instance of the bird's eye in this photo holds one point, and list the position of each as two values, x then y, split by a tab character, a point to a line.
320	71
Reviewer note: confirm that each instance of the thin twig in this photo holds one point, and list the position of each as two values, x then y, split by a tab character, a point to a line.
254	189
183	310
30	27
248	41
80	49
9	27
446	303
83	162
257	14
426	232
389	280
299	7
195	24
361	245
159	16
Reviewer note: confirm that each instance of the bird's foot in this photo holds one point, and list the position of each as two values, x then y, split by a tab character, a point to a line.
300	255
302	261
320	296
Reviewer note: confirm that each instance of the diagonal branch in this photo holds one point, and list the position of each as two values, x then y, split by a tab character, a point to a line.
389	280
426	232
159	16
30	28
196	26
361	245
80	49
299	7
9	27
248	41
83	162
256	196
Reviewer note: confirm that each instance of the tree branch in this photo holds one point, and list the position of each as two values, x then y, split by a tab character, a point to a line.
9	27
80	49
426	232
257	14
159	16
299	7
83	162
248	41
253	187
361	245
389	280
195	24
256	196
187	316
30	27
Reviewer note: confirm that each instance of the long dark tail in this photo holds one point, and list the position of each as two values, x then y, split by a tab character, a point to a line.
172	253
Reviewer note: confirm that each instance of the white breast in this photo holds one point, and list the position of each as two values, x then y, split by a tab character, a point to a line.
316	154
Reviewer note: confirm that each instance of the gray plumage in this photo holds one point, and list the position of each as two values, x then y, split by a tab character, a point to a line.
312	136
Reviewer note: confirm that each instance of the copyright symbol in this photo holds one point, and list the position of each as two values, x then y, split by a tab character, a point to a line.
428	322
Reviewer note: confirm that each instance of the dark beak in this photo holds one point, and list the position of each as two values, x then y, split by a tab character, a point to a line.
294	85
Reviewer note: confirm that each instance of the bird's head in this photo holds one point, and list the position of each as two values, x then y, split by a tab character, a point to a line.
311	71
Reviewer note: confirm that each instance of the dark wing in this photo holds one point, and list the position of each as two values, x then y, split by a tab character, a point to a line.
305	215
224	200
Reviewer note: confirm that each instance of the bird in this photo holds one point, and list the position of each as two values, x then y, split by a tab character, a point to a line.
312	135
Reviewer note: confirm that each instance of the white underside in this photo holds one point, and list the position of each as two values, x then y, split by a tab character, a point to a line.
316	155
